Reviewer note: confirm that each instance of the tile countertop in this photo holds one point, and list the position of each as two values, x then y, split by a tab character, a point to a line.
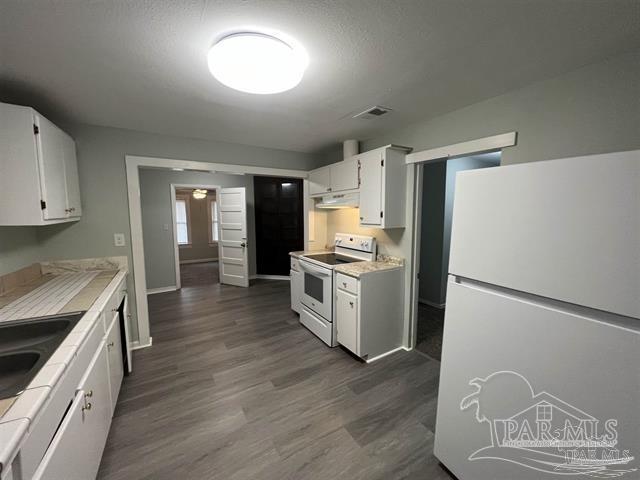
17	413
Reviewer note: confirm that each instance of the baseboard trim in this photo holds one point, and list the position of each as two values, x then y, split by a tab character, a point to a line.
272	277
138	346
370	360
153	291
199	260
432	304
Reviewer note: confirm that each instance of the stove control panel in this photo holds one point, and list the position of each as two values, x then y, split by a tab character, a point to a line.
360	243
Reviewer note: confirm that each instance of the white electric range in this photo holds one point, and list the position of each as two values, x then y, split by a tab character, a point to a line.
317	297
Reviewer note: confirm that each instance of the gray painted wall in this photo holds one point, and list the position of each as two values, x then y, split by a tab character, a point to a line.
18	248
101	165
453	167
431	232
155	200
595	109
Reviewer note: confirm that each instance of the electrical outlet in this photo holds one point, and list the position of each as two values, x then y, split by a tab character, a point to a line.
118	239
166	227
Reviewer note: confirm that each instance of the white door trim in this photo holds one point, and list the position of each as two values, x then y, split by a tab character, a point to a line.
463	149
132	166
415	161
176	248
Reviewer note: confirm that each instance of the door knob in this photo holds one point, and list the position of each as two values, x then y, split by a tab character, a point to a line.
243	244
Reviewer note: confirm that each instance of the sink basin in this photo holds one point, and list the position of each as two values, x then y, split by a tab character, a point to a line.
14	367
30	333
26	345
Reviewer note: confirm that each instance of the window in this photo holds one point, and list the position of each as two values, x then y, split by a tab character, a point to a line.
544	412
183	230
213	220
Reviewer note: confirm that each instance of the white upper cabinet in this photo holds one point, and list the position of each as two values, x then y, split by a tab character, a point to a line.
320	181
38	170
337	177
383	179
379	176
345	175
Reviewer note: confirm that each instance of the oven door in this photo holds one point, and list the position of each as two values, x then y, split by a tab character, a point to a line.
317	289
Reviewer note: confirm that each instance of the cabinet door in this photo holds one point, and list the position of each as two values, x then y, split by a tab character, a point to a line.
114	355
72	182
295	290
126	317
76	449
344	175
347	320
52	169
98	408
320	181
371	188
65	457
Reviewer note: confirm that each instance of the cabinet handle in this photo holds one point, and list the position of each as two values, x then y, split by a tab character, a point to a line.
351	303
87	406
110	344
89	394
114	309
344	284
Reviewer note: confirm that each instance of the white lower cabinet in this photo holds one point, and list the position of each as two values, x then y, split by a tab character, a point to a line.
76	449
113	349
369	312
296	290
347	313
68	436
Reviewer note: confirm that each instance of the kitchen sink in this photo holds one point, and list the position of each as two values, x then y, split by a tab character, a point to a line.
26	345
15	366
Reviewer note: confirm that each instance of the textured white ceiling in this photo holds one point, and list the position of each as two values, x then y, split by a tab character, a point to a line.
142	64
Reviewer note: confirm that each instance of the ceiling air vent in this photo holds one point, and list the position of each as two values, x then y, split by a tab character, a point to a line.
373	112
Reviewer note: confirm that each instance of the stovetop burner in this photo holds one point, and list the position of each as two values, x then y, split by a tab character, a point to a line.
331	258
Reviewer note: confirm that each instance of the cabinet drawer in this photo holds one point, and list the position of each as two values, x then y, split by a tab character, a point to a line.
317	325
294	264
347	322
347	283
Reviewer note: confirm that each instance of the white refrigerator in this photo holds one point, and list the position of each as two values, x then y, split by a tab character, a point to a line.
540	373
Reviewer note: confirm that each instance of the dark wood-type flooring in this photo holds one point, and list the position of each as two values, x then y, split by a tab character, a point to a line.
430	328
235	388
196	274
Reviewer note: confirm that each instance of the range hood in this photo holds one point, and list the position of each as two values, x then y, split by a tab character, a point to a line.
346	200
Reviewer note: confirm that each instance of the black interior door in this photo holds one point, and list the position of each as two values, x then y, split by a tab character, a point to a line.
279	222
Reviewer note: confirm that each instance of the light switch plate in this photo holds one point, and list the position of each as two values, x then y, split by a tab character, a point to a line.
118	239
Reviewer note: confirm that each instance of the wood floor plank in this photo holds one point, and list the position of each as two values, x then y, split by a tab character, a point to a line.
234	388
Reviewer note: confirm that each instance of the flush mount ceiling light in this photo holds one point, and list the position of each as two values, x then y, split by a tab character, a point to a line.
257	62
199	193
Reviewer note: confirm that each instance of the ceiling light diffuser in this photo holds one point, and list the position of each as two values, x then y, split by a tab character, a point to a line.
256	62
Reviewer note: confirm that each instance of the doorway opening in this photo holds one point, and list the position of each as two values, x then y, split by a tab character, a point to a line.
438	193
195	232
279	219
195	226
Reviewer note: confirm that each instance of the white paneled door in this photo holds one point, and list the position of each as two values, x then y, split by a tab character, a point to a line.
233	250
